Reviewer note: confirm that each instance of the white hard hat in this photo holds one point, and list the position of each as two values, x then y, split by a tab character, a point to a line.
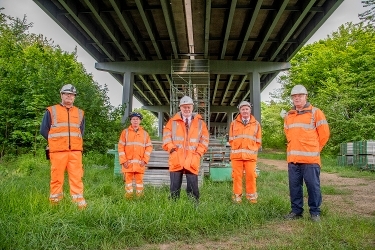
69	89
186	100
298	89
244	103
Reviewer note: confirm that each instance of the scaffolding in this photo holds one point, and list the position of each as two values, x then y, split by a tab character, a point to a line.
191	77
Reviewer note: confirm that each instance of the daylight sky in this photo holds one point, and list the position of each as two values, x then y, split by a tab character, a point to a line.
42	24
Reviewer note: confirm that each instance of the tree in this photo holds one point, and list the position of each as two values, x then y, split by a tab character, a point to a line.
338	73
272	126
32	71
369	15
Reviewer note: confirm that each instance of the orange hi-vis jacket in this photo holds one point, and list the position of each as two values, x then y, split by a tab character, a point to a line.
190	145
65	133
134	147
245	140
307	132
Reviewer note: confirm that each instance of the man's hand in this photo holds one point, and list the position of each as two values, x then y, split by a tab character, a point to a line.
172	150
125	164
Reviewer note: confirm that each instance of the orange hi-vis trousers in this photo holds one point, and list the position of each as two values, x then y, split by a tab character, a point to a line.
70	161
238	168
129	177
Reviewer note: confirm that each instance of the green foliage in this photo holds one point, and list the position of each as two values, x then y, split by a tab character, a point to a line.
32	71
272	126
338	73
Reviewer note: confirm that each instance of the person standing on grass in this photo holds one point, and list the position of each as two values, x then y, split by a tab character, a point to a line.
63	126
307	132
186	138
134	148
245	139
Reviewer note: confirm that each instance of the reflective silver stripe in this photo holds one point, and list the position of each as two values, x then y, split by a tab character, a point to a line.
303	153
121	153
52	196
77	196
65	124
135	161
256	128
167	133
193	140
235	151
205	143
129	184
147	153
193	148
148	144
178	145
321	122
300	125
205	137
231	138
139	185
174	128
81	203
54	120
177	138
64	134
126	135
144	138
122	143
135	143
167	140
129	191
245	136
259	140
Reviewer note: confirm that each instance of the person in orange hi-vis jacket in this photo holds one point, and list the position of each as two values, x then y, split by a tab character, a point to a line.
134	148
245	139
307	131
63	126
185	137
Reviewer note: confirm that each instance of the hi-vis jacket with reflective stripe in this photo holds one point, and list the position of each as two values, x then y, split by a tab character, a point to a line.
306	132
245	140
65	133
190	145
134	147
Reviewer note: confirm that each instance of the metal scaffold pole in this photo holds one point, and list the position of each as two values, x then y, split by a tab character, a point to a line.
191	77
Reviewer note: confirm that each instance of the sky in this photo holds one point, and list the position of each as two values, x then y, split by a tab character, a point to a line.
42	24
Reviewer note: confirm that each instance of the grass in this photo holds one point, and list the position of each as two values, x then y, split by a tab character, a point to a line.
111	222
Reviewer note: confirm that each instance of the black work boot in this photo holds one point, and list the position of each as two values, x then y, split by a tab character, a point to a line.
293	216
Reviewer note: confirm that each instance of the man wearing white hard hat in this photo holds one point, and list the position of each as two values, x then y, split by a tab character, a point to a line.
63	127
307	132
245	139
185	138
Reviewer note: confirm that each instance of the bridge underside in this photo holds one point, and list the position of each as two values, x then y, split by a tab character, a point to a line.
240	38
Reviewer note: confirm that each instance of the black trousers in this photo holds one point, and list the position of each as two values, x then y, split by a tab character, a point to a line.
191	181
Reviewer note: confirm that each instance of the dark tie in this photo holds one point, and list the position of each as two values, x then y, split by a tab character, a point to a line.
244	122
187	124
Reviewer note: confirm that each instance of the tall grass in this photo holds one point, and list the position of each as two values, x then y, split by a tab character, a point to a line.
28	221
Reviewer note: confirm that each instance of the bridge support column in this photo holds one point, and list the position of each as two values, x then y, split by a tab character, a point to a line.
127	94
255	95
229	120
160	124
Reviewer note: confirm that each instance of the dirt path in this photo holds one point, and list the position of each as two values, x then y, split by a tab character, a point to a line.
358	195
